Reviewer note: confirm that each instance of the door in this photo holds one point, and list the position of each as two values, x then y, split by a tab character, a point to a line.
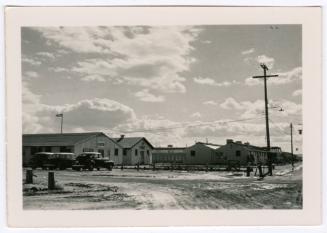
142	157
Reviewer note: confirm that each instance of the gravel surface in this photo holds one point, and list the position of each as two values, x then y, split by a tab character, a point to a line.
131	189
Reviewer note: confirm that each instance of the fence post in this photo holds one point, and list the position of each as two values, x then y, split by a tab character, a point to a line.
248	171
138	166
122	167
207	168
260	170
51	181
29	176
154	167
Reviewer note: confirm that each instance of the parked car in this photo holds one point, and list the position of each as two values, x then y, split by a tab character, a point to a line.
91	160
62	160
41	160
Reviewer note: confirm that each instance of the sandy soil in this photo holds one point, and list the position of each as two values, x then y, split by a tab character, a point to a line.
131	189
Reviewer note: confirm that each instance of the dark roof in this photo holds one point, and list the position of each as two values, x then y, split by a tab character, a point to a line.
129	142
169	148
65	139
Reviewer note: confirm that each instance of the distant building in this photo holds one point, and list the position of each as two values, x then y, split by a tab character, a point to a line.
169	154
136	150
202	153
243	153
71	142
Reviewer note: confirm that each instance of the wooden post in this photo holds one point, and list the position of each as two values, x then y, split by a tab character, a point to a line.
51	181
260	170
29	176
138	167
154	167
122	167
207	168
248	171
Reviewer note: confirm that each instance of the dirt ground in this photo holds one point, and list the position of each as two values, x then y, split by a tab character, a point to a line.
131	189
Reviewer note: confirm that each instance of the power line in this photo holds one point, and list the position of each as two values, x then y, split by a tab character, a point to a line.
186	126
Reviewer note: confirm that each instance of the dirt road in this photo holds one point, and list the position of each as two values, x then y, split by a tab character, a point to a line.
130	189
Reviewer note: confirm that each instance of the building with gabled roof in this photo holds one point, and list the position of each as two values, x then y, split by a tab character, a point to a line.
136	150
169	154
242	153
76	143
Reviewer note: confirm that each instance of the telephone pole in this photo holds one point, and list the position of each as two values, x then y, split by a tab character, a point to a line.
265	76
61	115
291	126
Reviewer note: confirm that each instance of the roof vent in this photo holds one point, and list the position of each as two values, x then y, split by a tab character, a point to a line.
121	138
229	141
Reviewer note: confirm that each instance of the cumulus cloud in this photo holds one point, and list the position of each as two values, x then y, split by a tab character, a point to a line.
252	60
146	96
93	77
58	69
256	108
269	61
31	74
212	82
297	92
196	115
283	78
249	51
210	102
30	61
89	115
136	55
46	55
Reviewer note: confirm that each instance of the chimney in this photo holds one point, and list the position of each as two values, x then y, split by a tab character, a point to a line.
228	141
238	142
246	143
121	138
170	146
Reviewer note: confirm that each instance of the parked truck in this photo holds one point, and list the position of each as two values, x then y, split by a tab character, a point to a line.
90	161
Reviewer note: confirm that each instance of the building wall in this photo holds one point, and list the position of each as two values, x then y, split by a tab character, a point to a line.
242	153
103	145
28	151
142	156
200	154
169	155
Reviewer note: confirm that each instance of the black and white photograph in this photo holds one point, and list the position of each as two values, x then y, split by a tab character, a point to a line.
131	112
162	117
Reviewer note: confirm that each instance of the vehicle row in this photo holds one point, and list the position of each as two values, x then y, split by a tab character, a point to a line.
84	161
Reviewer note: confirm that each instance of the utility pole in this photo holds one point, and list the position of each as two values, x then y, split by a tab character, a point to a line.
265	76
291	125
61	115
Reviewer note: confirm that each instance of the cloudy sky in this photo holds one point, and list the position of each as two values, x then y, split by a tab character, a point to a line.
173	85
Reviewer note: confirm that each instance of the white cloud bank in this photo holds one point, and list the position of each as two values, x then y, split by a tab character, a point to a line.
212	82
151	57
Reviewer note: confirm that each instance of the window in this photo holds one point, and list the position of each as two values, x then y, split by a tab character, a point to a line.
136	152
88	150
101	152
65	149
148	152
238	153
116	151
192	152
124	151
100	143
47	149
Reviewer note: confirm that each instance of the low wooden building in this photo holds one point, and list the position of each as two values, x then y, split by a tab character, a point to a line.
136	150
170	154
202	153
72	142
242	153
